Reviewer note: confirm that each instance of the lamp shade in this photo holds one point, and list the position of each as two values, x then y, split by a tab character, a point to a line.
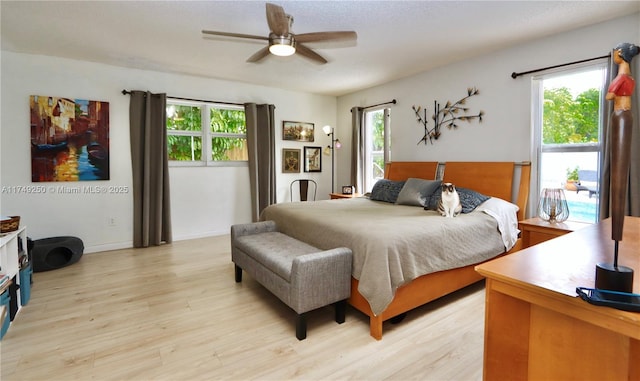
282	50
282	45
553	206
326	129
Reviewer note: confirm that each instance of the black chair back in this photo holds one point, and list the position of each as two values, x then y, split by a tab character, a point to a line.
306	194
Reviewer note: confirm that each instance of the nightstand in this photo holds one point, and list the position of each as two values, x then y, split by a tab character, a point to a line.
536	230
337	196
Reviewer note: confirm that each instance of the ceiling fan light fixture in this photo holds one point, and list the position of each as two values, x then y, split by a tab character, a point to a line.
282	46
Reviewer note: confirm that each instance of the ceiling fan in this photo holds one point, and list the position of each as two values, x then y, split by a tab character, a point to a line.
282	42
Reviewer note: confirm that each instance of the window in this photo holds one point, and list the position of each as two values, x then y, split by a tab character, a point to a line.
376	146
567	131
200	134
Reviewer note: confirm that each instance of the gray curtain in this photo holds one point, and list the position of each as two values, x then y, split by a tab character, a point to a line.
633	192
262	156
151	208
357	148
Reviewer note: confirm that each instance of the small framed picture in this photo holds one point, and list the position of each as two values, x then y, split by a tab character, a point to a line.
298	131
291	160
347	189
312	159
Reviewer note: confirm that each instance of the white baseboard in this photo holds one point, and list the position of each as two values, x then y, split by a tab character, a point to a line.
129	244
108	247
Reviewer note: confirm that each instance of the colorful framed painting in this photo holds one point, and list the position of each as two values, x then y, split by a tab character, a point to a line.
298	131
69	139
312	159
291	160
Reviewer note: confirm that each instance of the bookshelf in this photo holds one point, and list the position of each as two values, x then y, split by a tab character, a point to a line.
13	245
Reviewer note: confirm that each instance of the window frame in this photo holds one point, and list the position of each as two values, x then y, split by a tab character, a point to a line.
538	148
386	149
206	135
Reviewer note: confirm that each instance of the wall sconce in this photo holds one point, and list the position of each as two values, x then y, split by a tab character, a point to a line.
553	205
335	144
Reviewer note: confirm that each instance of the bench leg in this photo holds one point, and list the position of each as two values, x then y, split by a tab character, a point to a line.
301	327
238	274
341	309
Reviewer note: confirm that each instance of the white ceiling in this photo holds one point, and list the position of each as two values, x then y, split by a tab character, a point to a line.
395	38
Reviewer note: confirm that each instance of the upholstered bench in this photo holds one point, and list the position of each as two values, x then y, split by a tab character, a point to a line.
302	276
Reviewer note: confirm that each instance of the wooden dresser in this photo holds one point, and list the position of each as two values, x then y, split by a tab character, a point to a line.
536	328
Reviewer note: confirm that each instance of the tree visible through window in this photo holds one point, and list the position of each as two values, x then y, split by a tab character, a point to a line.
205	134
568	120
377	146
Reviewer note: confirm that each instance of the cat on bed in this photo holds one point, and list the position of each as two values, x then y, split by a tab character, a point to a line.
449	205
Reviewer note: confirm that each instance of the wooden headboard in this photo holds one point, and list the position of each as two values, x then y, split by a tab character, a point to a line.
489	178
402	170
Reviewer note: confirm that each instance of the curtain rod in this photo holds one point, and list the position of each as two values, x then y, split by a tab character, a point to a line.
125	92
515	75
393	101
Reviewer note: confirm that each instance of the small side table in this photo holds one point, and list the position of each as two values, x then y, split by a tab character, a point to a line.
536	230
337	196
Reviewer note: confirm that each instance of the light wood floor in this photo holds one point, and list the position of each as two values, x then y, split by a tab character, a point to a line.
175	312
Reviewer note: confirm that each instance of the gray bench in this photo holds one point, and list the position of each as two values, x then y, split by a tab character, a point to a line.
302	276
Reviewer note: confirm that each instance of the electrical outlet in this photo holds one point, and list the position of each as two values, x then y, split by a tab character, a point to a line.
112	221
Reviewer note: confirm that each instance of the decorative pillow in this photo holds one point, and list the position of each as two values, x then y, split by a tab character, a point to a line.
386	190
417	192
469	199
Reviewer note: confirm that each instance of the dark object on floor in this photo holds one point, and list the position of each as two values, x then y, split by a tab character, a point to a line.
398	319
56	252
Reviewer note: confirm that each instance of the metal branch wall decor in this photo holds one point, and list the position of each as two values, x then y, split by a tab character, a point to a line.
448	116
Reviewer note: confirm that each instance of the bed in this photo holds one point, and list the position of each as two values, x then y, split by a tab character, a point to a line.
391	272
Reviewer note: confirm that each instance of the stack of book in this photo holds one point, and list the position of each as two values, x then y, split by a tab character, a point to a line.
5	282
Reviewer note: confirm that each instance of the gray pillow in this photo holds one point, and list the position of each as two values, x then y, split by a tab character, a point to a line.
416	192
386	190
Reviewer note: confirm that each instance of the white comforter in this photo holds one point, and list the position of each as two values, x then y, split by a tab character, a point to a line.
394	244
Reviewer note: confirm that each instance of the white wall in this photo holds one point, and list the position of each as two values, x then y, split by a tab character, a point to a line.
205	201
505	132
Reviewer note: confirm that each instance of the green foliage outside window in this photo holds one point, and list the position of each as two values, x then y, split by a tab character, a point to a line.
569	121
227	121
378	143
180	147
224	147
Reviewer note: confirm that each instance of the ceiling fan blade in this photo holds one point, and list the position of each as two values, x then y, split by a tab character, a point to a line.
260	54
277	20
304	51
326	36
239	35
